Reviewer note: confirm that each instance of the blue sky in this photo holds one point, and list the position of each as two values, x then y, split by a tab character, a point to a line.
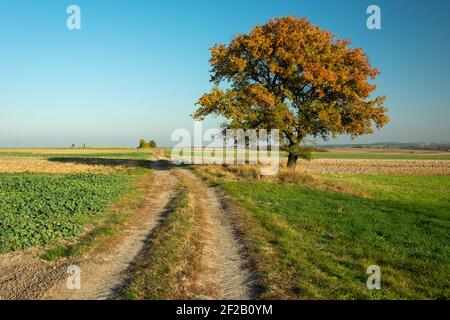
136	68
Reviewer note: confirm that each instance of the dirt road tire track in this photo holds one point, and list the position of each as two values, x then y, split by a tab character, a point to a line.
223	259
101	278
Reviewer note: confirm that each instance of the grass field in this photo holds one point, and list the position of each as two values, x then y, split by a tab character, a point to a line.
326	240
313	238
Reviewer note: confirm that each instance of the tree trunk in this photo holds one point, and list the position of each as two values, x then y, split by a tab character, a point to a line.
292	160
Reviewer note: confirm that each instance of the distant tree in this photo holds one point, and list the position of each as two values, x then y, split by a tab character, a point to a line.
290	75
145	144
142	144
152	144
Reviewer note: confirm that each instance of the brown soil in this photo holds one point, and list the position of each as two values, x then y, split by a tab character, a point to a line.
26	276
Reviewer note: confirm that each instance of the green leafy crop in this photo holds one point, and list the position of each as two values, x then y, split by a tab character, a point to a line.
38	209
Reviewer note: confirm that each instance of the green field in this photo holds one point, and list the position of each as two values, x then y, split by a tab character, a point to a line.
38	210
324	241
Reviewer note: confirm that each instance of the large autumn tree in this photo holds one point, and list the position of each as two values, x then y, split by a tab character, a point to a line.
290	75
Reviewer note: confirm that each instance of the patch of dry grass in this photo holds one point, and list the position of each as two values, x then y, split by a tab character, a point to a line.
284	176
51	151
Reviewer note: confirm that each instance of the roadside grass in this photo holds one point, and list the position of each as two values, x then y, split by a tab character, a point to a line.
220	173
167	267
38	210
310	242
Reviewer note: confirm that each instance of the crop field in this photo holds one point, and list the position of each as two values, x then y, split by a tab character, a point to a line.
38	210
344	153
354	161
376	166
378	161
51	195
374	153
70	160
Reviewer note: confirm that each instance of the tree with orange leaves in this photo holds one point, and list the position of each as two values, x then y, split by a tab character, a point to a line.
293	76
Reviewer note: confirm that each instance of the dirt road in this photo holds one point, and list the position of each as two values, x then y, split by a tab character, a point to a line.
225	267
25	276
102	277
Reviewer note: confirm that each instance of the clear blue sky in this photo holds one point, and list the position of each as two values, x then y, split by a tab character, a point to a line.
136	68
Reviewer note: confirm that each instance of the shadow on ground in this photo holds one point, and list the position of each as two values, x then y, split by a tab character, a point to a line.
128	163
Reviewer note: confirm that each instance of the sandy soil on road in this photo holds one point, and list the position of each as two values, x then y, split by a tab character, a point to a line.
224	264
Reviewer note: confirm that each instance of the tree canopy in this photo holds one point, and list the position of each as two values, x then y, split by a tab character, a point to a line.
293	76
145	144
